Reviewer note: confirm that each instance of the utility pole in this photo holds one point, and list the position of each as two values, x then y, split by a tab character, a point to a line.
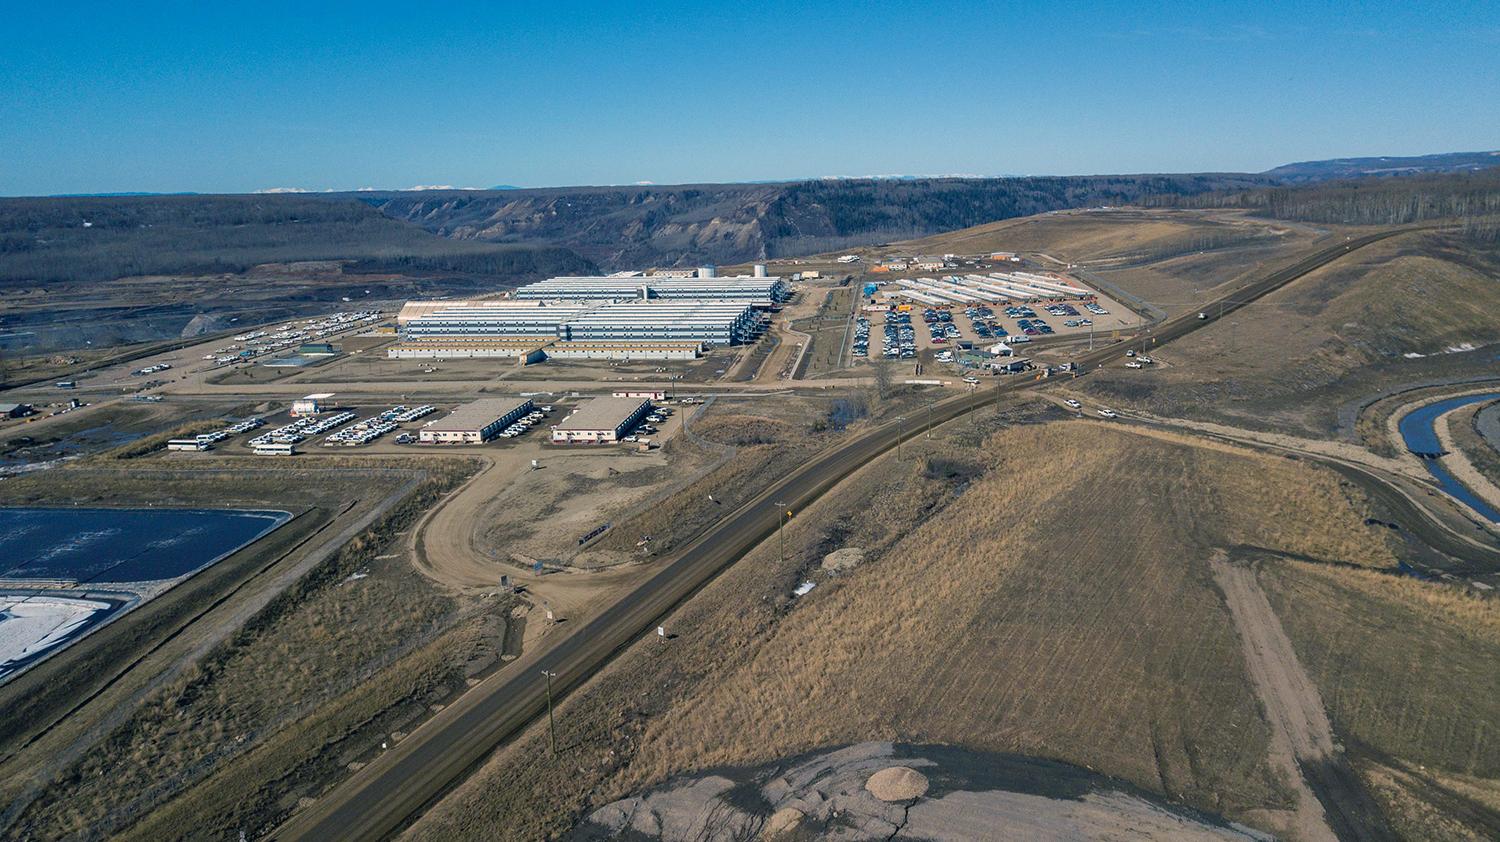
929	419
551	723
900	434
781	515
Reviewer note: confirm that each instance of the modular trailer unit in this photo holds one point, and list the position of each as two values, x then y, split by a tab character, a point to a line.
475	423
601	421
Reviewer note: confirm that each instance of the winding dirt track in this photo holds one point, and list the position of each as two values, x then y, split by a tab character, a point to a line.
384	796
445	546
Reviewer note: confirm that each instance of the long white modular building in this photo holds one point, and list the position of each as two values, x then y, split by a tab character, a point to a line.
762	291
530	331
717	322
501	320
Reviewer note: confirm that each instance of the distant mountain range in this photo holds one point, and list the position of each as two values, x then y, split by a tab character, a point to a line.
1384	166
619	227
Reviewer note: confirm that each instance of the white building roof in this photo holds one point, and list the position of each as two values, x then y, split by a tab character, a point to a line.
476	415
601	414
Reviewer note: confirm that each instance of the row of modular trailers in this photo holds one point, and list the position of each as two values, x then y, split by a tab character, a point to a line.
994	288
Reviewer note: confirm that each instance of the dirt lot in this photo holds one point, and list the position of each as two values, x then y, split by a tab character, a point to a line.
974	619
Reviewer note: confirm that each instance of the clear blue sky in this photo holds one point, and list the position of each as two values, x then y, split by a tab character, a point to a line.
232	97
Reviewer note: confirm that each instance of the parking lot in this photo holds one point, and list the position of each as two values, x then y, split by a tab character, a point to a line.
943	326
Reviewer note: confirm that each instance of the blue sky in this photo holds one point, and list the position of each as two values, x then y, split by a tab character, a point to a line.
220	97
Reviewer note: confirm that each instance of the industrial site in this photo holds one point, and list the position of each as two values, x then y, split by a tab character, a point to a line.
457	422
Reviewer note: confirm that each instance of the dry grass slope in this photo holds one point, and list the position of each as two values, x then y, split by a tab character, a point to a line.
1338	334
1095	637
1070	615
1405	666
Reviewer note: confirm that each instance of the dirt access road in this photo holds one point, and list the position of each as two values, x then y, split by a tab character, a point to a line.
1332	803
383	796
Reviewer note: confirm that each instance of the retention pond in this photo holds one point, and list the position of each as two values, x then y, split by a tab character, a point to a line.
64	571
1419	432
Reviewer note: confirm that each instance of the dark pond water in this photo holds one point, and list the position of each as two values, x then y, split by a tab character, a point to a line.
1418	430
97	546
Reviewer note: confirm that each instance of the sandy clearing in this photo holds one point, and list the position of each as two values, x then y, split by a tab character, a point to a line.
444	546
1300	731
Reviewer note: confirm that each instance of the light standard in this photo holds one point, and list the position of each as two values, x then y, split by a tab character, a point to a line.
782	513
900	434
928	434
551	723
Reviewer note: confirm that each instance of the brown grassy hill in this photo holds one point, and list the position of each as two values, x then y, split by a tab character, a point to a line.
1106	235
1060	605
1385	315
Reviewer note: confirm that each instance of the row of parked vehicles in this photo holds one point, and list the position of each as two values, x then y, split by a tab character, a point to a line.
900	338
402	413
302	429
531	419
1034	327
232	430
861	337
940	326
364	432
982	320
647	426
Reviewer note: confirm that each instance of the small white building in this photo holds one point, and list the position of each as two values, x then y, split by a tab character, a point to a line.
311	404
475	423
601	421
648	394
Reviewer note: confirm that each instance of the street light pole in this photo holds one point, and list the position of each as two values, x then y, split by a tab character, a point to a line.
551	723
781	513
929	419
900	434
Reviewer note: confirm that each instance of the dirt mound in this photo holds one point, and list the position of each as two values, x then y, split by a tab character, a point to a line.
897	783
742	430
840	561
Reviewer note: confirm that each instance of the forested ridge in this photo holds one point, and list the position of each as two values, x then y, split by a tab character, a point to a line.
1471	198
